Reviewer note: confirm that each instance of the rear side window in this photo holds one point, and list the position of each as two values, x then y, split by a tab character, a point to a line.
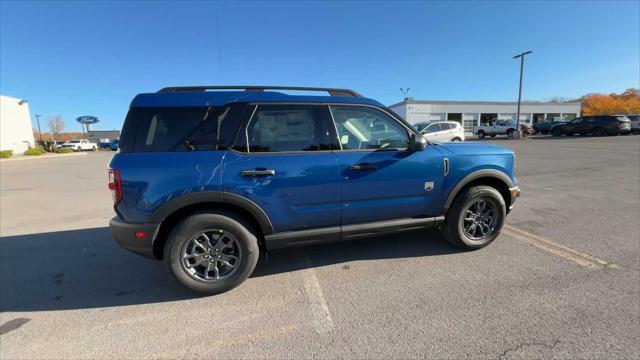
276	128
178	129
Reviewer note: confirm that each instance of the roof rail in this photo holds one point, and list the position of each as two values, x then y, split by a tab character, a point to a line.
331	91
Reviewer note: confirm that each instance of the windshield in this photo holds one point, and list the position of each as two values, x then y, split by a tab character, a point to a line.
73	141
420	127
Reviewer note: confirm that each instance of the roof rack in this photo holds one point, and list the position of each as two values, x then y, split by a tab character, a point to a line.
331	91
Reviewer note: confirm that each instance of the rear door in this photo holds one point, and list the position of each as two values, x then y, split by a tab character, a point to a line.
283	162
381	178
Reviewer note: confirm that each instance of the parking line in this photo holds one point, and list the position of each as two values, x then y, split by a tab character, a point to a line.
322	321
578	257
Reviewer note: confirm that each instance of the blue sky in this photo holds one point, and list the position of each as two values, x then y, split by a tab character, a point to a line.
90	58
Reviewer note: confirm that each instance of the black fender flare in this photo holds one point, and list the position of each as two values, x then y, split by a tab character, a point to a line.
485	173
214	197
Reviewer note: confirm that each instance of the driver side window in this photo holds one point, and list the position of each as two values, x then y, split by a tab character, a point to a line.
365	128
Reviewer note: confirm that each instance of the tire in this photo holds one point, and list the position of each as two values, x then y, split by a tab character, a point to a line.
94	149
106	148
181	245
556	132
481	134
598	132
510	132
456	227
78	149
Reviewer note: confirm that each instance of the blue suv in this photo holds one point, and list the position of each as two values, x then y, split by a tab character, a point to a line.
208	177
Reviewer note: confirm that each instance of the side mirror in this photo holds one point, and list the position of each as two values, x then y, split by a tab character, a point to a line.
417	142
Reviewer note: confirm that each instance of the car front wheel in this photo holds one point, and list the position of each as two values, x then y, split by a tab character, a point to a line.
475	218
211	252
481	134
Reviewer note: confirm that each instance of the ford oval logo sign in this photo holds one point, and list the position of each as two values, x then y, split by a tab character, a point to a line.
87	119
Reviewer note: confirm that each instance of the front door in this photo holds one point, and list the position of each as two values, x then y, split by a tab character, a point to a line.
285	165
381	179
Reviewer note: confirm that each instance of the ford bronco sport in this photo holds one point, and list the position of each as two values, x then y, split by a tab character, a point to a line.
209	177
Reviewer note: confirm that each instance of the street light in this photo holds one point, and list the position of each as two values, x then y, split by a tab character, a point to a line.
521	56
38	121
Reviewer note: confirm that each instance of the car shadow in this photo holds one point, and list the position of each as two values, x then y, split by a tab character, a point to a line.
85	268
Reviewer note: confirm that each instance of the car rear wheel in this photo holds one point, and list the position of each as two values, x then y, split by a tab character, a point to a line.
510	132
475	218
481	134
78	149
211	252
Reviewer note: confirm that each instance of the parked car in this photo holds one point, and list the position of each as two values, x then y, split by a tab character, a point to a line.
286	170
109	146
526	129
443	131
47	145
80	145
498	127
635	123
598	125
545	127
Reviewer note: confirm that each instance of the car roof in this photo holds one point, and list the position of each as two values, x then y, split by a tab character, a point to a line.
219	98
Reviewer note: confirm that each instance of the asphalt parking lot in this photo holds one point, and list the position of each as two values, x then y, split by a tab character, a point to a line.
562	281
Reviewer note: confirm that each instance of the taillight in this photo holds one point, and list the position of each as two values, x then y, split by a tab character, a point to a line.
115	185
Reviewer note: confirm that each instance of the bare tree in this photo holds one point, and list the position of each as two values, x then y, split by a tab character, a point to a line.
56	124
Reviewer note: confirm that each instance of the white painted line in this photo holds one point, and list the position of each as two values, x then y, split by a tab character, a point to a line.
578	257
322	321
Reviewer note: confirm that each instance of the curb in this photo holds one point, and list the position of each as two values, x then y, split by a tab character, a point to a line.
36	157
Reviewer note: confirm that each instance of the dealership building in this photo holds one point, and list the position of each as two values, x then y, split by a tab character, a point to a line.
474	113
16	133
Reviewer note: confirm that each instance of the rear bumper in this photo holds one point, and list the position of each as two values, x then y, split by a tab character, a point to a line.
515	193
125	235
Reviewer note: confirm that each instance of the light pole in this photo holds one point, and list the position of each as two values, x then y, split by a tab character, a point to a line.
38	121
518	132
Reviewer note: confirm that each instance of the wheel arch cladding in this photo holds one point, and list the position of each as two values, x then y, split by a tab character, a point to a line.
494	178
172	213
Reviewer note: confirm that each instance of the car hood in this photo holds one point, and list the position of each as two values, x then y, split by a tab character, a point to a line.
473	148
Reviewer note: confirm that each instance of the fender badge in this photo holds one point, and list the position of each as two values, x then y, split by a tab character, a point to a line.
428	186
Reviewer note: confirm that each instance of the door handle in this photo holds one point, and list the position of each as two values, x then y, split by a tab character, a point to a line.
256	172
363	167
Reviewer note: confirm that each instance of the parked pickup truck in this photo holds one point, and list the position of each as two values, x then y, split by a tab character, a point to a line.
80	145
499	127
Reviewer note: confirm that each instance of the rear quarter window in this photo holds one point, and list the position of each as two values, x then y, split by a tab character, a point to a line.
163	129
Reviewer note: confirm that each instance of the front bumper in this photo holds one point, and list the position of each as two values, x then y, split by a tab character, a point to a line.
515	193
125	235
